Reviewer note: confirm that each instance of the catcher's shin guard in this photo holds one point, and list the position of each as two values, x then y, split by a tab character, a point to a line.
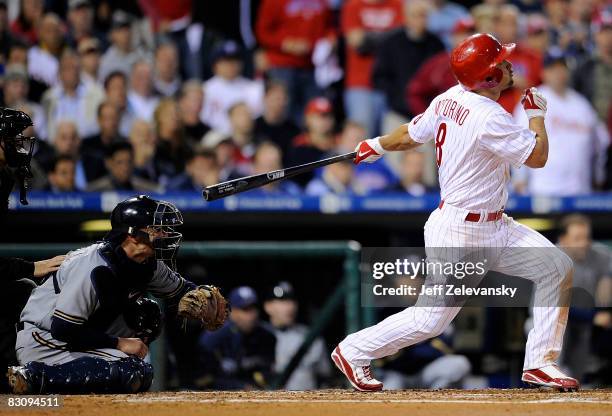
83	375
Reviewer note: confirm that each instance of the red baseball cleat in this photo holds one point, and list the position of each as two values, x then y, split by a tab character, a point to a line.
359	376
550	376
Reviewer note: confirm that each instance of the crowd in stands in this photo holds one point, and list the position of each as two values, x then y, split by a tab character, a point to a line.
155	95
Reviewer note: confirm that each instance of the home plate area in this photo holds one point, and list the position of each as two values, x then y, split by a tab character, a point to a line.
344	402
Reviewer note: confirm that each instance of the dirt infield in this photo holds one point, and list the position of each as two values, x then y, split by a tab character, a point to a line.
339	402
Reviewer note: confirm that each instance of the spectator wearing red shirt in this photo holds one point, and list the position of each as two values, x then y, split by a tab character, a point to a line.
364	25
28	20
526	63
435	75
288	31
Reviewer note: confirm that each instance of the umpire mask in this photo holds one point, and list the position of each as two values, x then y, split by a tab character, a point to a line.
17	148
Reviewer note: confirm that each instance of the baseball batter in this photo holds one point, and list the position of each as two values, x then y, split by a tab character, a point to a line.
476	142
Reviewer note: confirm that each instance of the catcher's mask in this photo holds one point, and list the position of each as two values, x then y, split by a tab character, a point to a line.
17	148
150	220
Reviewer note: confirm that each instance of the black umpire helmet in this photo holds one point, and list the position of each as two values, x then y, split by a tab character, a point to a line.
135	215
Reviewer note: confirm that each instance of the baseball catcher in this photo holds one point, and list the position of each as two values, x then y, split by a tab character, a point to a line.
87	328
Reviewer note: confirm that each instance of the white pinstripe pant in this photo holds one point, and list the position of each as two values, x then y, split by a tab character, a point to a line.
446	227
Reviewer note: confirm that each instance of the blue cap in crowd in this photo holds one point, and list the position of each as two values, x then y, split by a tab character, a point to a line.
242	297
226	50
554	56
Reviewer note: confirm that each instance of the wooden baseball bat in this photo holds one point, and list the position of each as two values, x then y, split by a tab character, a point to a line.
223	189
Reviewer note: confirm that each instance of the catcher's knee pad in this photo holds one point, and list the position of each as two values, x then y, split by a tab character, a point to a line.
132	375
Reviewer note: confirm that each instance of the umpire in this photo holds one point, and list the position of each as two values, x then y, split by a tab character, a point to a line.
15	155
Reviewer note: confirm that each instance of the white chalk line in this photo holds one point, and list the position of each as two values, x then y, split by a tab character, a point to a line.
174	399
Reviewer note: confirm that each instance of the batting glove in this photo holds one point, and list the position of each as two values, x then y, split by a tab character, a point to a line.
534	103
369	151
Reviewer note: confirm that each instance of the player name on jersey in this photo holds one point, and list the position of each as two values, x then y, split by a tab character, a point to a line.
451	109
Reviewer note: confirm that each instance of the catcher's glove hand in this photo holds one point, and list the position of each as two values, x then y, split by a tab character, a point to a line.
205	304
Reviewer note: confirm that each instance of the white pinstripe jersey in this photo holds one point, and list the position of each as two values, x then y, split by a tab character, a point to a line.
476	142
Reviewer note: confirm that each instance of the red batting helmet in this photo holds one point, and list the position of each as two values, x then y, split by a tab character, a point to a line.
474	61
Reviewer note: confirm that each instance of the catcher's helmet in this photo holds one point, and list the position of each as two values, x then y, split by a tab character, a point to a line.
137	214
474	61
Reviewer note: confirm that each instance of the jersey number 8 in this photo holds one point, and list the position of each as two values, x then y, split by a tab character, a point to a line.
440	138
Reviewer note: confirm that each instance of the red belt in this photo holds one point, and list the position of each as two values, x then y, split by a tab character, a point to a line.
475	216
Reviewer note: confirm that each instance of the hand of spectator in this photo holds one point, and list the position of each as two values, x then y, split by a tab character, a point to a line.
132	346
296	46
355	38
534	103
368	151
44	267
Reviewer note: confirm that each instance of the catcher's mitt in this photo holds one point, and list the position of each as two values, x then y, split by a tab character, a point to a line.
205	304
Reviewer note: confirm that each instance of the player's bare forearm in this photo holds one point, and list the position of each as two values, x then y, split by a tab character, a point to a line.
398	140
539	154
